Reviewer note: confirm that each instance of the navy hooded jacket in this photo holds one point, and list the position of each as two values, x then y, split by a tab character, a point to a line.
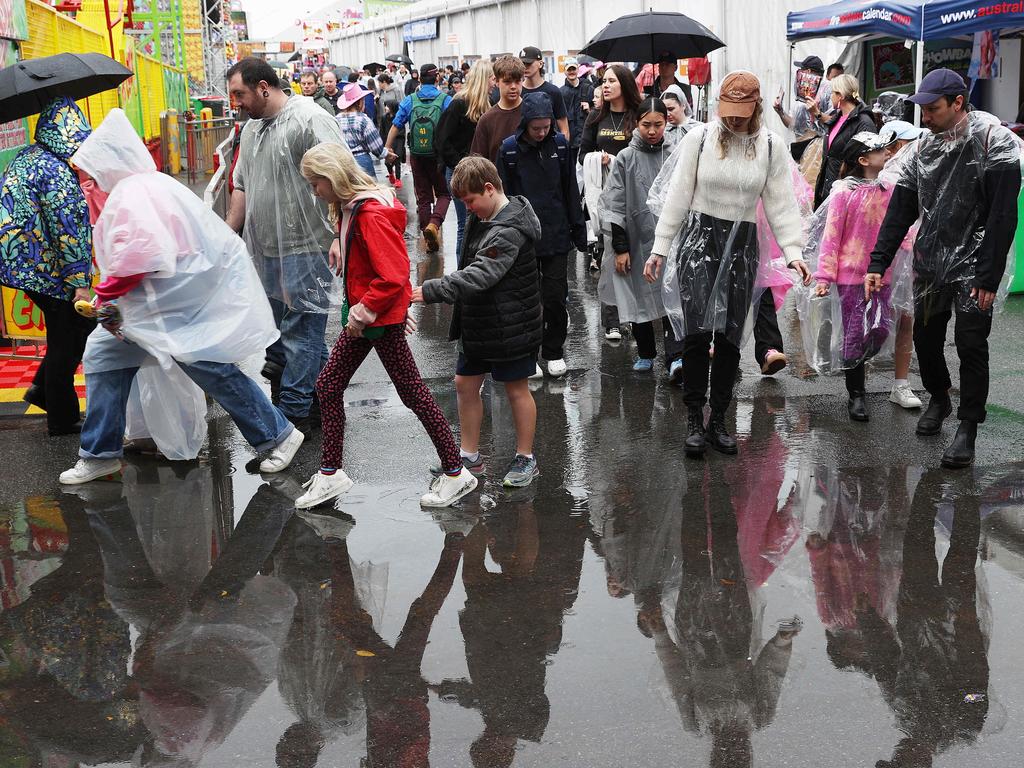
545	174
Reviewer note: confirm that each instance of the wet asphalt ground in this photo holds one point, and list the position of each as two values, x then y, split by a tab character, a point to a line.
828	597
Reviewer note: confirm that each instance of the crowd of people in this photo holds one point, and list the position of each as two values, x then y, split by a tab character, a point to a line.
888	230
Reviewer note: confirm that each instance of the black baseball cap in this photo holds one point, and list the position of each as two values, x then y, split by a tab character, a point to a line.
863	143
937	83
529	54
811	62
666	57
427	70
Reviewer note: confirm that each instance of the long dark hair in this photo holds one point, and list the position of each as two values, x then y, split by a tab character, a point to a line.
630	99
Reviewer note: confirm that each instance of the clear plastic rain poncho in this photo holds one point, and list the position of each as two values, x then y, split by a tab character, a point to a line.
286	229
959	177
841	330
201	299
713	264
623	202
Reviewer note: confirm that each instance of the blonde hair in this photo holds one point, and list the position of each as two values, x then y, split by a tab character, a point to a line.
335	163
477	90
472	174
847	87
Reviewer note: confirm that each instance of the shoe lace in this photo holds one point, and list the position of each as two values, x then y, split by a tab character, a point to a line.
519	464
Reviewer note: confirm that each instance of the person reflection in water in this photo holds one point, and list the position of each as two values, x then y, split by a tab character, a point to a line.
933	668
512	623
720	688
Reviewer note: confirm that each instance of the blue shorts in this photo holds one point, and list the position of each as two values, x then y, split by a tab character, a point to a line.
504	370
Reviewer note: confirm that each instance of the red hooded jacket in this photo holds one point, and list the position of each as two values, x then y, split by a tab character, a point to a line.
377	262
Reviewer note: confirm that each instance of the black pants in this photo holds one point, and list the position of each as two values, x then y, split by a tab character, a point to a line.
698	363
766	328
643	334
932	313
554	284
66	332
855	380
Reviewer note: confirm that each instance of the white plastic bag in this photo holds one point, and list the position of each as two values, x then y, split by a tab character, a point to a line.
166	405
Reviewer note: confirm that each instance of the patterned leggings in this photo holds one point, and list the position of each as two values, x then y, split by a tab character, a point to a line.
392	348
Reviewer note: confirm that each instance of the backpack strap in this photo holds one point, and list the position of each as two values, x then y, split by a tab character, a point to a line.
561	146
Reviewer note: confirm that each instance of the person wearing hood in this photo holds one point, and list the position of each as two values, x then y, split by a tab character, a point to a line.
624	200
310	84
537	163
498	313
375	264
185	293
46	251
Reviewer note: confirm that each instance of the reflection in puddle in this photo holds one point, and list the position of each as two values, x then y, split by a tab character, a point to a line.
143	625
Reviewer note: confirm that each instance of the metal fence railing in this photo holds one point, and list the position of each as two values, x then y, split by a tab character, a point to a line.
199	142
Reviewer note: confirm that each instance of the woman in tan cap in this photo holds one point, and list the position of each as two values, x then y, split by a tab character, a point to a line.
706	240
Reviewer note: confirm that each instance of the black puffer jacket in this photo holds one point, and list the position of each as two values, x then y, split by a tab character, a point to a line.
496	290
859	120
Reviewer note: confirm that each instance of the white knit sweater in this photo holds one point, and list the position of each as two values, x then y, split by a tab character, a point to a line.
728	188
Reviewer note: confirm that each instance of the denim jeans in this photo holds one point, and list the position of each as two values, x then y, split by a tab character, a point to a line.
460	212
365	161
301	352
106	393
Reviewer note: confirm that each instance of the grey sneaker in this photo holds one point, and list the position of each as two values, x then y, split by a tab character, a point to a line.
476	467
521	472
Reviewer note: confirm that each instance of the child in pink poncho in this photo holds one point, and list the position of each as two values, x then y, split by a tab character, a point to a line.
855	210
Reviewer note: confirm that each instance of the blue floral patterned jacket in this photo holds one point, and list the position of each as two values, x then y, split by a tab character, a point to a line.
45	235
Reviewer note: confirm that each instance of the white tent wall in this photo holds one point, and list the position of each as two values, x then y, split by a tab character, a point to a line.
755	33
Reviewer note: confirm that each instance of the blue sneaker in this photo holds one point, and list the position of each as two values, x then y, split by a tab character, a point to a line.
675	373
643	365
521	472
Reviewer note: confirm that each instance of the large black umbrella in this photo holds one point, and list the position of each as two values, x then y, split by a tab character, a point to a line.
399	58
645	37
373	68
342	72
28	86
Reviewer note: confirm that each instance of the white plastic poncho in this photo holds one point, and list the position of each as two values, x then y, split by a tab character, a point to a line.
623	202
286	227
201	299
841	329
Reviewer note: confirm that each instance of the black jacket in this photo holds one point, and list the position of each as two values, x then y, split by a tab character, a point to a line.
573	98
832	153
454	134
546	176
496	289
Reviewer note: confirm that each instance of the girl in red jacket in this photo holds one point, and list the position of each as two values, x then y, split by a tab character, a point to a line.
370	252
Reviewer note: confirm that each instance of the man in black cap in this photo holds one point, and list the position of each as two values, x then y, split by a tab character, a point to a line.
811	87
668	65
963	183
421	111
534	82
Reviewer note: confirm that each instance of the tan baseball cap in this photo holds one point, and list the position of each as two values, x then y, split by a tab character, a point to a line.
739	95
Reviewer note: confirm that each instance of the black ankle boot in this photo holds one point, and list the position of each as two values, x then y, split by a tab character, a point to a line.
931	420
960	453
718	436
857	406
695	444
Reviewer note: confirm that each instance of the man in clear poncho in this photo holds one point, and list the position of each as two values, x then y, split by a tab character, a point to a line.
186	294
962	181
285	227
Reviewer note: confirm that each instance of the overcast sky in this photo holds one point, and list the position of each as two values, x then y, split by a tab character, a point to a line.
268	17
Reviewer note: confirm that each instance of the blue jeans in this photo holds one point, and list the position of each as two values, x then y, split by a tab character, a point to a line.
302	353
365	161
460	213
260	423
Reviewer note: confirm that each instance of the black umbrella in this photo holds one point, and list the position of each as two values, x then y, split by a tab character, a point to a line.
588	60
28	86
342	72
645	37
373	68
399	58
278	65
297	56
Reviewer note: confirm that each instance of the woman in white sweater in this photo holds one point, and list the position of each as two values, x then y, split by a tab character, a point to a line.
706	239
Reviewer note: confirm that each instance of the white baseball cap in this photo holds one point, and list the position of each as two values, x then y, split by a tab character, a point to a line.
900	130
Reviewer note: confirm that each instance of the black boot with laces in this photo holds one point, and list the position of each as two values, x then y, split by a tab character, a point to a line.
695	444
718	436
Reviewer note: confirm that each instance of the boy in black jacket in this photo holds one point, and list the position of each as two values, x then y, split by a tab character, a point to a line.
537	163
497	316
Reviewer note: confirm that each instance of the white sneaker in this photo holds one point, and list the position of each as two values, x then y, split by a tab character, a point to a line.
613	334
321	488
283	453
904	397
537	374
557	368
446	490
328	528
90	469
